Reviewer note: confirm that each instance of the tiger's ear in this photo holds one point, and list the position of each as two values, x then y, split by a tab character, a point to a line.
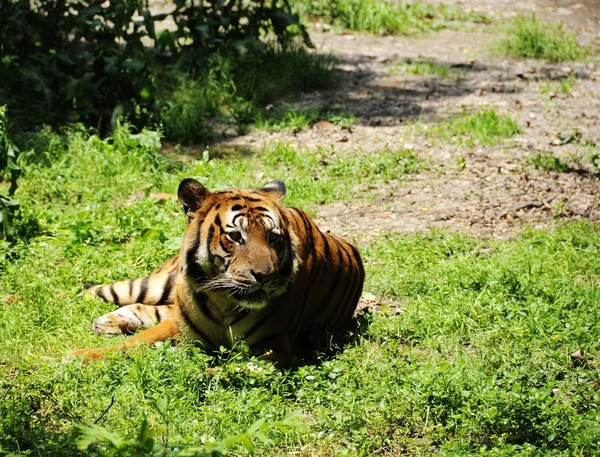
191	194
276	189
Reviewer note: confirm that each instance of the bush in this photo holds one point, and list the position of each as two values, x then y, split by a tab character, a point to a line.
89	61
9	170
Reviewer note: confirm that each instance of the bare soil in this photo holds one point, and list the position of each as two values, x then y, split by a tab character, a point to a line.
489	191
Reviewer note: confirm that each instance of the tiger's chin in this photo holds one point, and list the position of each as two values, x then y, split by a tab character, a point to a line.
255	300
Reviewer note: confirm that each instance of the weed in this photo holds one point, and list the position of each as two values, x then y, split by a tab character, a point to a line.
530	37
592	155
147	445
383	17
564	86
548	161
427	67
487	127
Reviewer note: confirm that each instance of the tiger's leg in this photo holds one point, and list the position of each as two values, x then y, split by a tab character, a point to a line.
156	289
131	318
160	332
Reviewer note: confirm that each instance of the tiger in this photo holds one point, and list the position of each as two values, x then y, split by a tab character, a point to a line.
249	270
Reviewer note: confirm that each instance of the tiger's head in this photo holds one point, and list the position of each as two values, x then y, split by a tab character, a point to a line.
237	247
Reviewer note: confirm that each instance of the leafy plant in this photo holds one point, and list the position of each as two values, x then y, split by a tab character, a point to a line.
8	168
592	155
146	444
93	60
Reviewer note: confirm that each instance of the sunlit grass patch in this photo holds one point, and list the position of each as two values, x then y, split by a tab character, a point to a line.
300	119
564	86
387	17
548	161
531	37
427	68
99	190
479	357
312	176
485	127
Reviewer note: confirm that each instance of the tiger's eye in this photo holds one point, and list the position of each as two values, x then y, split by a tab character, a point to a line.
235	236
273	238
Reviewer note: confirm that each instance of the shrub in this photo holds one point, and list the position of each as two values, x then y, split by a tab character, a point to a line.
89	61
9	170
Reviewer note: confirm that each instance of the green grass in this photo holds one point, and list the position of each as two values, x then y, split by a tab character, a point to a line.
427	68
478	363
530	37
230	92
485	127
563	86
548	161
591	155
297	120
59	196
386	17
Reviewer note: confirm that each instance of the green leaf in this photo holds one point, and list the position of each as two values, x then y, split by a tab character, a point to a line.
162	406
90	434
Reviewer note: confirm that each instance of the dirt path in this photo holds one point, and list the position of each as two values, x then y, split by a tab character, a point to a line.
489	191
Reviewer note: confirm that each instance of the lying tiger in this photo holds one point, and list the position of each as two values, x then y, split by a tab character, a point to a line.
249	269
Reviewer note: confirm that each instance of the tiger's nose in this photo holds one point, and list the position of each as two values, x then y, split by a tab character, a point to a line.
262	276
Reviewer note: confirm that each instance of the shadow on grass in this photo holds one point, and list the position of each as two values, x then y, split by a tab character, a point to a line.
391	97
315	349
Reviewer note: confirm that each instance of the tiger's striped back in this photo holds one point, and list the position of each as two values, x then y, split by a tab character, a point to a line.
332	276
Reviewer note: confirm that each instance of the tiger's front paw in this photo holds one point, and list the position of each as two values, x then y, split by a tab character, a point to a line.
109	326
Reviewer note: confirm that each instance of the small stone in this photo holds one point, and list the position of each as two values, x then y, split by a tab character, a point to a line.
579	357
